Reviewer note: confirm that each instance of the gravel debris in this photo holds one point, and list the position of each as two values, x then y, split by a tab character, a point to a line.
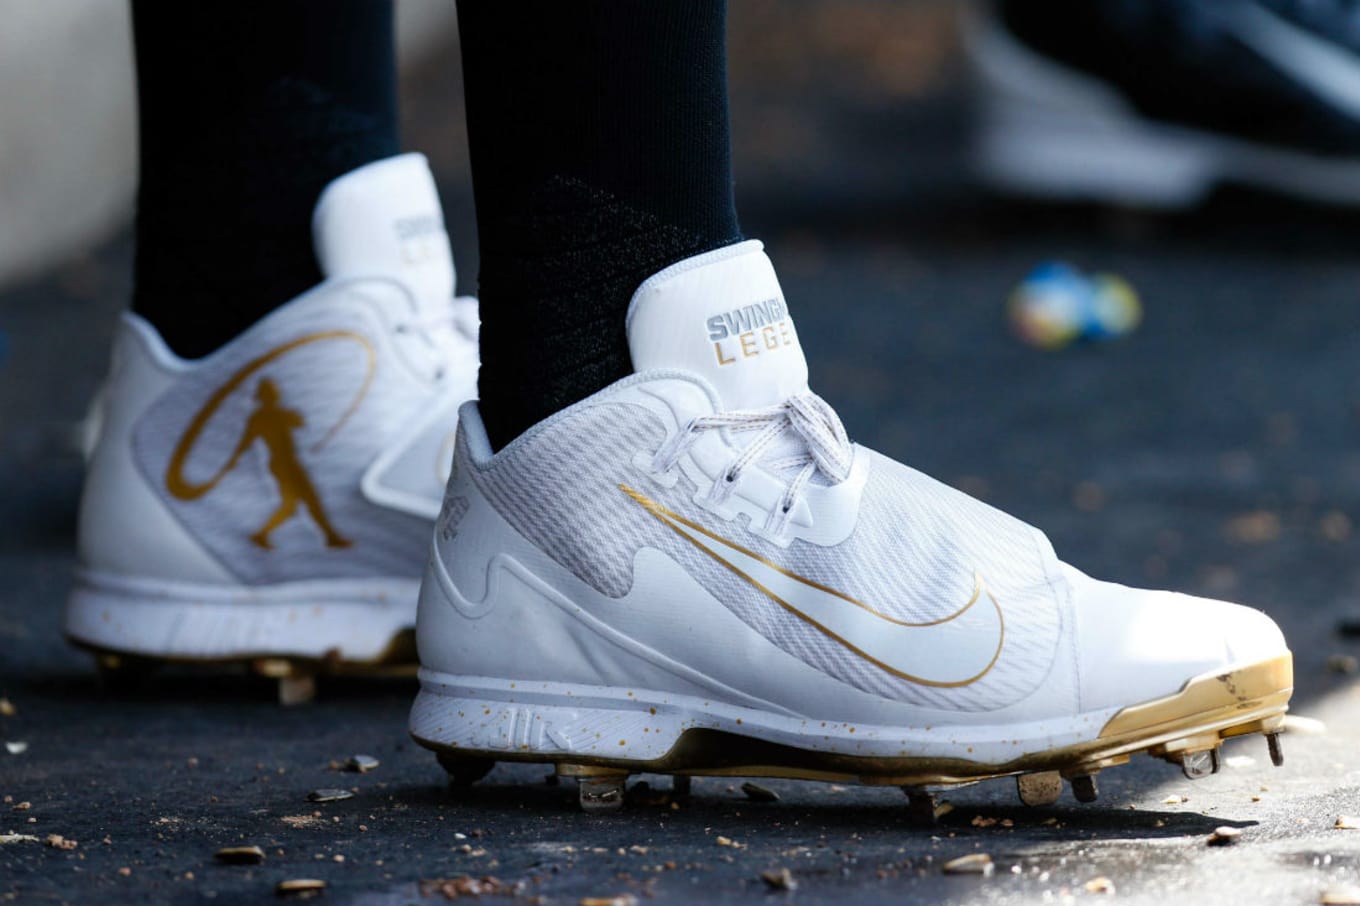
300	888
1343	663
1224	836
299	821
240	855
626	899
16	747
335	795
468	886
1101	884
779	879
17	838
57	841
1258	527
361	764
971	864
7	708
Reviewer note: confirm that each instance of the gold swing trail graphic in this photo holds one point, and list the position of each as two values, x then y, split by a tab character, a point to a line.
274	425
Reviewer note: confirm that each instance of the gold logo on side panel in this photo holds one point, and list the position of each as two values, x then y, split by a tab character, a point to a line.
947	652
274	425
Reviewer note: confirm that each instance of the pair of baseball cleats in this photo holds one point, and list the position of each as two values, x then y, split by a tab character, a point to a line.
693	571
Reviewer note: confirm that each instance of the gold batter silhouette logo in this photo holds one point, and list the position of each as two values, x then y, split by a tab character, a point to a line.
274	425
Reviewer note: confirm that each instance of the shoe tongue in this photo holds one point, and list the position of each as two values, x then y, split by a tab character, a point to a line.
720	315
384	219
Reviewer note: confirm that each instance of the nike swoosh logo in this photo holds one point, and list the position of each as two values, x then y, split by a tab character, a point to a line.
1330	70
955	650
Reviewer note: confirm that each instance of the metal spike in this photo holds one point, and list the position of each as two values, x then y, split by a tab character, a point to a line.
1197	765
1084	788
1276	751
681	785
464	770
920	806
602	793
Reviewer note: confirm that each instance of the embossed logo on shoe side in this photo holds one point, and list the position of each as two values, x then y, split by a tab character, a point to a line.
956	650
274	425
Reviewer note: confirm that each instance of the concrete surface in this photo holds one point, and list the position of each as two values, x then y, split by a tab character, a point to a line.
1216	451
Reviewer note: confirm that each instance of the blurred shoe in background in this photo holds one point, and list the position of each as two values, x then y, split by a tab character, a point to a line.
271	504
1156	102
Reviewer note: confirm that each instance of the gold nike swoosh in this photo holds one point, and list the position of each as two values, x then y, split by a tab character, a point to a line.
955	650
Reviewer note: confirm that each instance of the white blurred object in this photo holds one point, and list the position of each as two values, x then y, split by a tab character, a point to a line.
68	126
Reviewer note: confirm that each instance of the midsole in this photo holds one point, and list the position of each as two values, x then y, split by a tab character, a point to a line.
352	620
560	722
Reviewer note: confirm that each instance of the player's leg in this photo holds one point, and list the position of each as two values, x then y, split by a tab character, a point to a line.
286	248
600	154
694	570
246	112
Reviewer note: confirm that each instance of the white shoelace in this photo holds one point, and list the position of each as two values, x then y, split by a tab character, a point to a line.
816	429
446	334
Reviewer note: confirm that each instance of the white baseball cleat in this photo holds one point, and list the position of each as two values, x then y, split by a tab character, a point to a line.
271	503
694	571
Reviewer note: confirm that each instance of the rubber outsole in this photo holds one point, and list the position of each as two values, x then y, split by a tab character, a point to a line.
1186	728
295	674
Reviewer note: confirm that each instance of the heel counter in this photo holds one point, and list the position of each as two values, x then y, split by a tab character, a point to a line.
123	527
437	615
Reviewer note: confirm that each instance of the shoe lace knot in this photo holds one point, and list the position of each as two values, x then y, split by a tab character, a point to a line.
797	438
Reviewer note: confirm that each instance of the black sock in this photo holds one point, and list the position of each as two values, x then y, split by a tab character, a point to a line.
600	154
247	112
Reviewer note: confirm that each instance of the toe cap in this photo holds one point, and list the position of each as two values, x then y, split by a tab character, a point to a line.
1135	645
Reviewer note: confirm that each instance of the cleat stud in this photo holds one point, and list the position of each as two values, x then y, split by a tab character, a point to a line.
1084	788
1276	750
601	793
681	786
921	806
1197	765
297	681
120	673
1040	788
297	690
464	770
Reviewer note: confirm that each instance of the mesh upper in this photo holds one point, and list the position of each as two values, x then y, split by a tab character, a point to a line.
913	553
